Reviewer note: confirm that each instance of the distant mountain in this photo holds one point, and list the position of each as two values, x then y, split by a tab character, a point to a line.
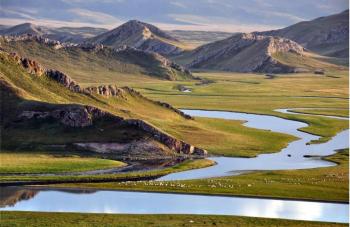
249	52
197	38
26	28
95	62
325	35
142	36
63	34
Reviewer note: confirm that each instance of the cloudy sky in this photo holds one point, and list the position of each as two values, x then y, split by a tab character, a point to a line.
214	15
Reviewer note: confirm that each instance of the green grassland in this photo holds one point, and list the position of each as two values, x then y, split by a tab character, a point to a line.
51	163
75	219
132	176
331	112
326	184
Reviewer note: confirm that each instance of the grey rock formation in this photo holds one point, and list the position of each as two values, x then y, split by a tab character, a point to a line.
63	79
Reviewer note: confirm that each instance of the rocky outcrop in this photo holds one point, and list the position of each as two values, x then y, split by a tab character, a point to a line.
29	65
143	149
72	116
84	116
63	79
171	142
106	90
38	38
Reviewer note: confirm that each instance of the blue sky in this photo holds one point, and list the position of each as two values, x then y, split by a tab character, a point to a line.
215	15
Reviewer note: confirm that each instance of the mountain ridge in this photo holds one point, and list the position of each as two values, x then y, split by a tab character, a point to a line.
140	35
126	60
328	35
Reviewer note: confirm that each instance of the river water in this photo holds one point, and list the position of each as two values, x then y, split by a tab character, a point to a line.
55	200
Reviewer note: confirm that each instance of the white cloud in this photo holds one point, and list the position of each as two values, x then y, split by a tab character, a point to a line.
178	4
94	17
196	22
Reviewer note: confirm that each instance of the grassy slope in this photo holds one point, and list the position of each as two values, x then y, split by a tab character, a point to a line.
51	163
103	66
308	61
329	184
74	219
198	131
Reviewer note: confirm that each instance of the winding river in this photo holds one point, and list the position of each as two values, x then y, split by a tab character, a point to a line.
291	157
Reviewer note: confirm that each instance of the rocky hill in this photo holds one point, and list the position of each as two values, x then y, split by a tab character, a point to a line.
42	107
63	34
249	52
142	36
95	62
242	53
325	35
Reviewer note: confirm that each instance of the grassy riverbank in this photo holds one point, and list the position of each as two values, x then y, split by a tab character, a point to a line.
20	163
132	176
38	219
327	184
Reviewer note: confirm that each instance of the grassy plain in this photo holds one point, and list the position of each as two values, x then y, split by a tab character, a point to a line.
332	112
38	219
137	175
326	184
35	162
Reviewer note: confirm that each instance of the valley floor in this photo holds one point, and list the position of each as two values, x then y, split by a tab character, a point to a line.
38	219
245	93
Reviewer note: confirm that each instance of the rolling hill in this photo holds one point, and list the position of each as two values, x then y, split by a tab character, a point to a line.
62	34
327	36
142	36
248	52
44	107
198	38
88	63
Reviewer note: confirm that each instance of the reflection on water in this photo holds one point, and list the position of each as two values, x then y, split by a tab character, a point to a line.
158	203
11	196
291	157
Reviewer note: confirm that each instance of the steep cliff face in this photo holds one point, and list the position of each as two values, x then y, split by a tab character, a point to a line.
243	53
